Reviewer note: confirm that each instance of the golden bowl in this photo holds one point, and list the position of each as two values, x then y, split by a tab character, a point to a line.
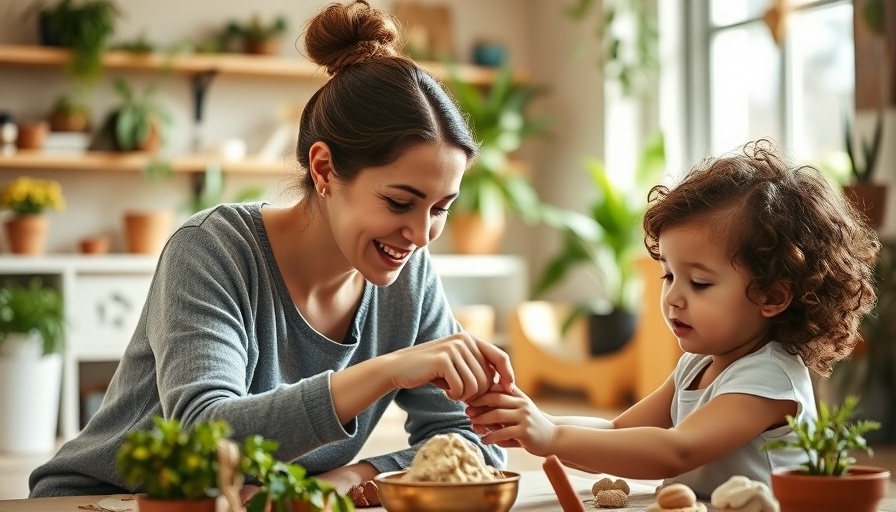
398	495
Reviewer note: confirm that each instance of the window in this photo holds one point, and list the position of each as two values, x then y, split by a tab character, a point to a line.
798	92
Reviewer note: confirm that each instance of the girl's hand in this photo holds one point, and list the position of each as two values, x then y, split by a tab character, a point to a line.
461	364
510	420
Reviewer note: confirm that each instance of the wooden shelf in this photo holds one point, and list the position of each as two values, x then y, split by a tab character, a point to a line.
226	64
131	162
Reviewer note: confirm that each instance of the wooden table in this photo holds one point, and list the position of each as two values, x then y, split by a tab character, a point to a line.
535	494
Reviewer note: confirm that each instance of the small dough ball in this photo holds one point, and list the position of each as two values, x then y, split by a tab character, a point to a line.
676	496
604	484
613	498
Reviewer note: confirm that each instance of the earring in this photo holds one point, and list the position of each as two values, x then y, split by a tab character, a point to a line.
323	192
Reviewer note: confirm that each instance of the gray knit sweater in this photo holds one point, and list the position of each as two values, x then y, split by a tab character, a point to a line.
220	338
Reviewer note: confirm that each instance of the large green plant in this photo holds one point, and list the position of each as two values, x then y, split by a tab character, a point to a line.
171	462
283	483
85	28
35	307
828	440
500	120
606	239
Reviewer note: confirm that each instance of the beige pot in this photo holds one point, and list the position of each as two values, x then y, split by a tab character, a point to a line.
471	234
147	231
27	234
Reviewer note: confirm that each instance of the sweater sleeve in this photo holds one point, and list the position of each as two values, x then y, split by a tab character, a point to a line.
430	411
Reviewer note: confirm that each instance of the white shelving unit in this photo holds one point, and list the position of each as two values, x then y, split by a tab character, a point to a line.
104	297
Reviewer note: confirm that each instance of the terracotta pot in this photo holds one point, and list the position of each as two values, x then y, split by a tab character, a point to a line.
255	46
27	234
147	232
870	199
145	504
471	234
860	491
32	135
95	245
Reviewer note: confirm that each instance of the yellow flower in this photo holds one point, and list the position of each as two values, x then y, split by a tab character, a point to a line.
26	195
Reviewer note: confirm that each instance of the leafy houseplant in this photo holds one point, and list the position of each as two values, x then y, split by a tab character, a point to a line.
173	463
286	486
829	480
605	242
34	308
32	332
69	114
85	28
490	188
258	37
868	197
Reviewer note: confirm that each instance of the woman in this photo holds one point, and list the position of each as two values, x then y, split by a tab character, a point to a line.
302	323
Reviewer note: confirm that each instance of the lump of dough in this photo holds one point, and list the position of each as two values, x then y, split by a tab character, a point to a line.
740	494
449	458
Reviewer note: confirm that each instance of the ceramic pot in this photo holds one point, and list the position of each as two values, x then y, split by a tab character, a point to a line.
27	234
471	234
27	377
147	232
32	135
859	491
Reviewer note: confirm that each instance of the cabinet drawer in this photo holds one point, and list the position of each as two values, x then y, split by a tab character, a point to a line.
105	312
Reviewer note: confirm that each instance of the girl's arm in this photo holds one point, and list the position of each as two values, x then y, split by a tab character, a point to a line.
719	427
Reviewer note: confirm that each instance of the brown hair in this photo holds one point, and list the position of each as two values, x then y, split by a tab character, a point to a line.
782	225
377	103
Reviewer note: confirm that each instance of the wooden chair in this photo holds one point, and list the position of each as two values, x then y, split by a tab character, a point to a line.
542	356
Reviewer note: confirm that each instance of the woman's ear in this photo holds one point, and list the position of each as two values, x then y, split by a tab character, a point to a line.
320	163
777	300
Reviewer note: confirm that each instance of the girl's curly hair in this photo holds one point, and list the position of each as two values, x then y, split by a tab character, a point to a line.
782	225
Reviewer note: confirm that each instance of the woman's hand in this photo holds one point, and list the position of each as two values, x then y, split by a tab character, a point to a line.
462	364
512	420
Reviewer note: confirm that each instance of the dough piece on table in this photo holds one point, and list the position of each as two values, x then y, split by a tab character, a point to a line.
449	458
740	494
611	498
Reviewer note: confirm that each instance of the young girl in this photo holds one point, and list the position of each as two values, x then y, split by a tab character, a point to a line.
767	273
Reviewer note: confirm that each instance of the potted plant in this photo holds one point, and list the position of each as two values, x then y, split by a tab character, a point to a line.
829	480
85	28
69	114
32	332
604	242
869	198
257	36
138	122
173	465
491	187
286	486
29	199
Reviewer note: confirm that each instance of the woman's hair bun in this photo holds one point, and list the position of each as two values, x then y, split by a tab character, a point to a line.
345	34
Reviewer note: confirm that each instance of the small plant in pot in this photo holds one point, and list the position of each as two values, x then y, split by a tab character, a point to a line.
870	198
69	114
172	464
829	480
491	189
257	36
285	487
604	242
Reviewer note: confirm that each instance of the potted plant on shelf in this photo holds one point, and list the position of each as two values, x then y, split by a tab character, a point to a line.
69	114
174	466
829	480
286	486
31	341
605	242
492	187
256	36
29	199
85	28
138	122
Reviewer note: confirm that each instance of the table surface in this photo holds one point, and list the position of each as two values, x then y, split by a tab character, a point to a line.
535	494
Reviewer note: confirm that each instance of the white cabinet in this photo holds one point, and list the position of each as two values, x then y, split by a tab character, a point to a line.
104	297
